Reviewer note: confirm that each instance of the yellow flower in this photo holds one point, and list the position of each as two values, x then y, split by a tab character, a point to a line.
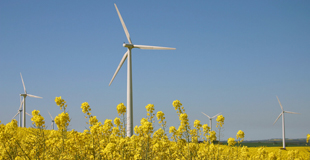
220	120
308	137
172	129
183	118
62	120
231	141
93	120
60	102
272	156
121	109
240	135
37	119
212	136
160	116
206	128
85	107
197	124
117	121
176	104
150	108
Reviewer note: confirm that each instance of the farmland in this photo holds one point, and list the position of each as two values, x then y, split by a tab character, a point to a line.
108	140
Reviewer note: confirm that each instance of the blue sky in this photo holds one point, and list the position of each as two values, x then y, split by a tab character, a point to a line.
232	57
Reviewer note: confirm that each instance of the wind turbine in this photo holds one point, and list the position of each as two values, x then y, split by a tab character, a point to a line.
19	112
52	125
130	46
283	126
20	115
24	101
210	118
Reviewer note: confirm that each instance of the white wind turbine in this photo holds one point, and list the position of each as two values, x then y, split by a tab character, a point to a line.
19	112
24	101
283	126
52	125
210	118
130	46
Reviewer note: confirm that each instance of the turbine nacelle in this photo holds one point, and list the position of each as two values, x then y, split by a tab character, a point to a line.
24	95
128	45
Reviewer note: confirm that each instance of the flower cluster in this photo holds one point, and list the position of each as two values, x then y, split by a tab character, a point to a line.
231	141
37	119
93	120
220	120
150	112
212	136
308	137
161	117
86	108
117	121
62	120
177	106
121	109
197	124
61	103
240	135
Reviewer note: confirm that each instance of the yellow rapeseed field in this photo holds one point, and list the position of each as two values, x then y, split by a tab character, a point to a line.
108	140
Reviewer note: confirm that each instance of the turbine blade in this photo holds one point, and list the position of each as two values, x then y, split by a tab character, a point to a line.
119	66
152	47
15	115
291	112
123	24
29	114
205	115
280	103
21	104
216	115
278	117
30	95
23	83
50	115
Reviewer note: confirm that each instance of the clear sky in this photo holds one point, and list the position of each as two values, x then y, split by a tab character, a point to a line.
232	57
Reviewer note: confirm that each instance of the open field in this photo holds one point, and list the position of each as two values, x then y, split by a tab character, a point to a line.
274	143
108	140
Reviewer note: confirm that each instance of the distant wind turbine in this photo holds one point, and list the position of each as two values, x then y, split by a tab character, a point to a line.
24	101
130	46
19	112
210	118
52	125
283	126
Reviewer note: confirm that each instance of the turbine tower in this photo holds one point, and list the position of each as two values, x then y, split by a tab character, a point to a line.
130	46
283	126
24	101
210	118
52	125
